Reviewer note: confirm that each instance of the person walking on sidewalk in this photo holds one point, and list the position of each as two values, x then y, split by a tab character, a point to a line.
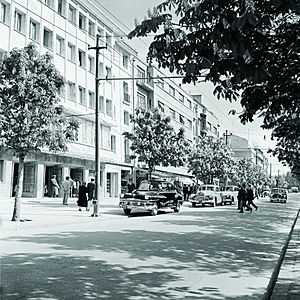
250	197
242	195
90	192
82	198
66	187
54	186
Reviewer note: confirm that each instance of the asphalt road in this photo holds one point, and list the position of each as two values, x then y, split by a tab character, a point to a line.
198	253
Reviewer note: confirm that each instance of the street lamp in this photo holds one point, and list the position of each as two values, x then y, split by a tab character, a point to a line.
97	130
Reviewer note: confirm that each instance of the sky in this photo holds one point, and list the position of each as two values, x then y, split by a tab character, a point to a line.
125	12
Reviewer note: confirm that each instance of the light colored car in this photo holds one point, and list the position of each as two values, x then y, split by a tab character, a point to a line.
229	193
207	194
278	195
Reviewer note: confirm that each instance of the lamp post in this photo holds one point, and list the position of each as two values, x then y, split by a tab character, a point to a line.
97	130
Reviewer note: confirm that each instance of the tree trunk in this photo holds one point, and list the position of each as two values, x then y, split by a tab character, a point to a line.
19	190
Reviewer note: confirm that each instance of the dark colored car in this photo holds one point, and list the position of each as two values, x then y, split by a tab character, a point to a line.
278	195
152	196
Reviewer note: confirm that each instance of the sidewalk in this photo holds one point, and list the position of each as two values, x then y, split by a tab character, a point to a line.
50	212
288	283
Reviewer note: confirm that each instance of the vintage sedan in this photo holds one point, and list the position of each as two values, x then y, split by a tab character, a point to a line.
151	196
207	194
278	195
229	194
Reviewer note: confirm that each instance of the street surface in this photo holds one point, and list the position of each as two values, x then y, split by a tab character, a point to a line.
198	253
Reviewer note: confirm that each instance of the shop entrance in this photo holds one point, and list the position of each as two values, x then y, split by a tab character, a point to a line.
112	184
49	171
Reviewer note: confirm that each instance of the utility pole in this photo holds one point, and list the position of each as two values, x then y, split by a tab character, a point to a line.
226	136
97	130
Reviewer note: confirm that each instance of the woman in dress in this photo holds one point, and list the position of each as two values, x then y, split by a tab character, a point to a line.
82	198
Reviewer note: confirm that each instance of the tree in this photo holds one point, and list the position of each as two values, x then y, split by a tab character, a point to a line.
210	159
248	49
32	117
245	171
155	142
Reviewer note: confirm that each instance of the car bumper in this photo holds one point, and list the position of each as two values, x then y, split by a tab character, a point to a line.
130	204
278	200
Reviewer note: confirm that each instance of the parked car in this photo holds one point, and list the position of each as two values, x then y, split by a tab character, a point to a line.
207	194
266	193
294	189
278	195
151	196
229	194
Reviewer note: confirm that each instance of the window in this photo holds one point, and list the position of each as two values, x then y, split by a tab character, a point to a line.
81	58
71	94
190	124
181	119
113	143
109	107
91	65
189	103
127	151
72	14
91	28
209	126
34	30
126	92
108	74
61	7
141	101
105	137
47	42
172	91
141	75
3	54
4	12
48	2
160	83
172	112
86	132
82	98
71	52
101	104
109	41
19	21
125	61
60	45
126	117
61	92
82	21
2	170
215	130
92	103
161	107
181	98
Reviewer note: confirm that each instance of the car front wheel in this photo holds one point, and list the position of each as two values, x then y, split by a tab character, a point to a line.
127	211
177	208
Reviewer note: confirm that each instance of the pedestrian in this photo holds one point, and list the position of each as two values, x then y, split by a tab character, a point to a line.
82	198
250	197
239	197
90	192
54	186
242	195
130	186
66	188
185	191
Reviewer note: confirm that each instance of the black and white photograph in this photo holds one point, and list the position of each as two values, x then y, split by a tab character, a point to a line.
150	149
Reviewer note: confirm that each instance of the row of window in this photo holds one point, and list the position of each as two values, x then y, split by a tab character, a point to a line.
182	119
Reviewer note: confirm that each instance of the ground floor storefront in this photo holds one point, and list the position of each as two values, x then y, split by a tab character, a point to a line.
39	168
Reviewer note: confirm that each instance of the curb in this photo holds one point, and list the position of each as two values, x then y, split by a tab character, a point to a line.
274	277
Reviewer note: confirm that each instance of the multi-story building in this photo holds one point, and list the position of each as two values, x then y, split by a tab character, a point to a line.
66	28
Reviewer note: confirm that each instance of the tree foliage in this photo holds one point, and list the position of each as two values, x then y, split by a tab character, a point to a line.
210	159
155	142
31	115
249	49
245	171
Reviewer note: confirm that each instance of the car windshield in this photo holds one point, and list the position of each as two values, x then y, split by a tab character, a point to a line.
155	185
281	191
206	188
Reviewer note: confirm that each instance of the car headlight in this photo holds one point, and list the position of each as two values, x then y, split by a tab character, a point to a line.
122	195
147	197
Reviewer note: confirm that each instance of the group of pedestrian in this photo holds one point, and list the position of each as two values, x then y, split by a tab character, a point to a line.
245	198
